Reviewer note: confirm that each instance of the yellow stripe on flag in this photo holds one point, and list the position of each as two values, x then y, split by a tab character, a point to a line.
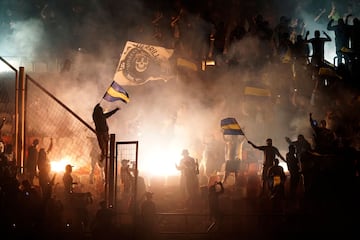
112	92
262	92
324	71
231	126
186	63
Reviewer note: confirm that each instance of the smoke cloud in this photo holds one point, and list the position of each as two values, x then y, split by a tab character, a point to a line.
181	111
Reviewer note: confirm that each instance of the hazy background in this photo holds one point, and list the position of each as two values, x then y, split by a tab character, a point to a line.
164	116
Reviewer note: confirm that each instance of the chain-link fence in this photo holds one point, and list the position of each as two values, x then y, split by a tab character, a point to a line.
74	140
46	118
8	80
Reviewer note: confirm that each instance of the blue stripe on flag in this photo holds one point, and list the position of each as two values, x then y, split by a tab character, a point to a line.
233	132
116	92
231	127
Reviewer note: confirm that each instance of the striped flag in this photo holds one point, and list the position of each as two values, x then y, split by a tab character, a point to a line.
231	127
115	92
255	91
187	64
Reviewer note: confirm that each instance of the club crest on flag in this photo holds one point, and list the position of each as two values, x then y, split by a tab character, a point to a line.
140	63
231	127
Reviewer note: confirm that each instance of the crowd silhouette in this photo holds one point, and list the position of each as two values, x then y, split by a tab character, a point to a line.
324	172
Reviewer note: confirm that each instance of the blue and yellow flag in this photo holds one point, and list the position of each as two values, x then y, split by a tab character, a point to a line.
116	92
231	127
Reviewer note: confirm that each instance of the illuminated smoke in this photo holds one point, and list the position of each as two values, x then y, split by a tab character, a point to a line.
165	117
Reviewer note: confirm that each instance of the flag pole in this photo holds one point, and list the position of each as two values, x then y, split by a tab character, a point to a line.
246	137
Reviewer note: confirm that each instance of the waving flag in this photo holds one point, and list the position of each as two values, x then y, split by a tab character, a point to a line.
231	127
255	91
187	64
116	92
140	63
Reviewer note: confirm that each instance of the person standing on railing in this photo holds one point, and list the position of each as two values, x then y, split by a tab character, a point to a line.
102	129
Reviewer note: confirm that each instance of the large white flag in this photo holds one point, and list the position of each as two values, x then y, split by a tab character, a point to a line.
140	63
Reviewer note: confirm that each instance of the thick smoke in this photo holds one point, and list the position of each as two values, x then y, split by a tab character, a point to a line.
181	111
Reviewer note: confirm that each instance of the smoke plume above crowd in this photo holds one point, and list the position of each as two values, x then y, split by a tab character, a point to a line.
172	114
